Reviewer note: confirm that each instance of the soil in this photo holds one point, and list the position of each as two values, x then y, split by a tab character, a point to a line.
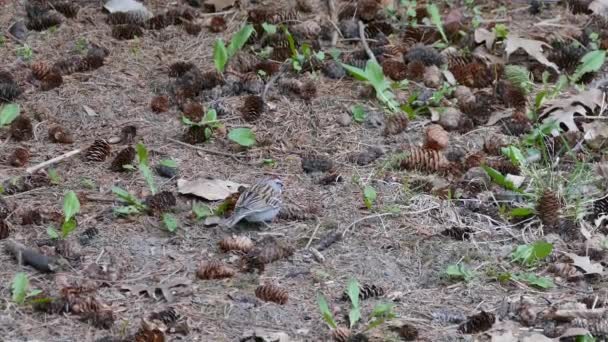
398	244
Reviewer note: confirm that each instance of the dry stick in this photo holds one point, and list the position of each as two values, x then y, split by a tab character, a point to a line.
333	17
234	157
42	165
364	42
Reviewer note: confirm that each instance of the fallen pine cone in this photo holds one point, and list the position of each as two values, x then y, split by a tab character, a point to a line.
236	243
98	151
548	208
316	163
217	24
128	134
477	323
21	129
341	334
20	157
436	137
395	124
396	70
292	212
424	159
269	251
122	159
272	293
161	202
57	134
253	107
214	270
159	104
366	291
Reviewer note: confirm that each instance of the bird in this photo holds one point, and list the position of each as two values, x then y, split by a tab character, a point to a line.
260	203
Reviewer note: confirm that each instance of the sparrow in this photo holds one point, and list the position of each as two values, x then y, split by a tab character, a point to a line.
260	203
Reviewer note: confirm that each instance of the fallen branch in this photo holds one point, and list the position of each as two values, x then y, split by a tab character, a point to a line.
50	162
27	256
370	54
333	18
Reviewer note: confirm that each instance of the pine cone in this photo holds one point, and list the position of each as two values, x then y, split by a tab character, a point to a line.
305	6
126	31
58	135
67	8
415	70
193	111
192	29
548	208
159	22
178	69
128	134
316	163
4	230
217	24
267	253
424	159
407	332
600	207
291	212
147	333
21	129
160	104
504	166
473	75
211	79
253	107
195	135
579	6
5	210
396	70
477	323
517	125
493	146
426	54
268	67
395	124
214	270
308	90
8	91
43	21
98	151
458	233
367	291
511	96
168	316
341	334
40	70
272	293
88	235
161	202
20	157
236	243
123	158
124	18
436	137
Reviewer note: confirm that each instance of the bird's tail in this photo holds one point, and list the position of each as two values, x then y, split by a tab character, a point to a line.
231	221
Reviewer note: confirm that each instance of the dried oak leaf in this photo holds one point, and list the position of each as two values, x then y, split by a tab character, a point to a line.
19	157
534	48
564	111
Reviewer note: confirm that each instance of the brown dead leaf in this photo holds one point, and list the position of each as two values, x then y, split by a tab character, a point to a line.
585	264
534	48
482	35
563	111
220	5
208	188
164	288
596	135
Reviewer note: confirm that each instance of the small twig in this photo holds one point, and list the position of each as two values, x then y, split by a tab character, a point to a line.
363	219
370	54
67	155
333	18
313	235
233	156
274	79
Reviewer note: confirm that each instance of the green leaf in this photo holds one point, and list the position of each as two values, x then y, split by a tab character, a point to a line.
127	197
186	121
68	227
142	154
170	222
169	163
54	177
520	77
292	43
521	212
269	28
529	254
585	338
201	211
239	39
52	233
501	31
460	271
33	293
435	17
210	117
369	196
358	113
380	314
352	290
127	210
354	316
325	312
220	55
514	154
592	61
357	73
8	113
242	136
71	206
500	179
19	287
534	280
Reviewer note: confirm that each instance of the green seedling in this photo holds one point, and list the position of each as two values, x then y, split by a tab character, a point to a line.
500	179
81	45
144	167
435	17
8	113
71	207
133	204
369	196
222	53
520	77
592	61
359	113
460	272
20	288
501	31
54	177
529	255
534	280
170	222
374	75
201	211
243	136
209	122
25	52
